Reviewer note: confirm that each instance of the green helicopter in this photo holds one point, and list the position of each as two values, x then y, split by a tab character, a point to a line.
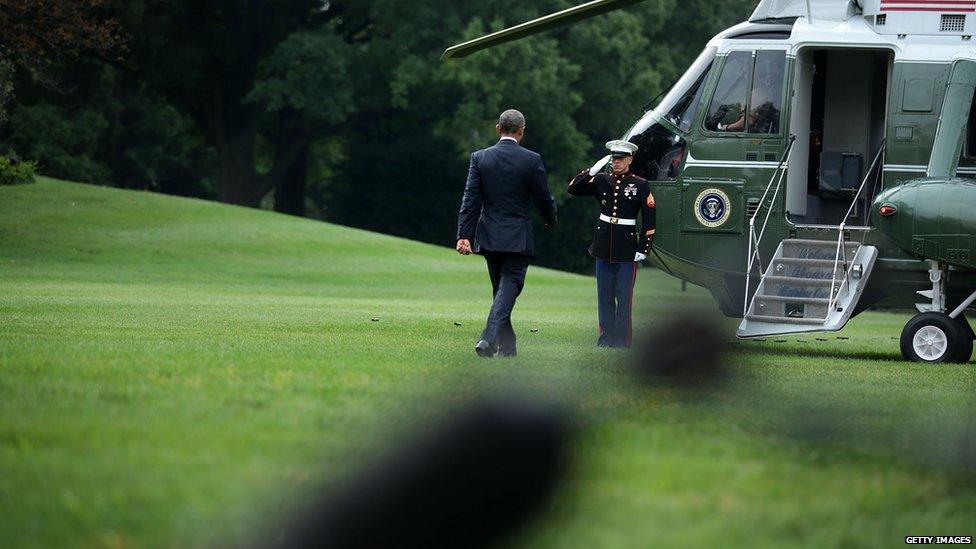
815	161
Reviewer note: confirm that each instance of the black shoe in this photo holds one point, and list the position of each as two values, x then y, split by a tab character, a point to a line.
484	349
508	354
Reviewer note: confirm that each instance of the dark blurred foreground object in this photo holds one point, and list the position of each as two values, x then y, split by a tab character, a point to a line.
946	445
967	451
469	483
684	353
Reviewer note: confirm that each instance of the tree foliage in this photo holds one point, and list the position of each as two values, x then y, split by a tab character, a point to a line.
110	129
306	73
38	34
13	171
343	109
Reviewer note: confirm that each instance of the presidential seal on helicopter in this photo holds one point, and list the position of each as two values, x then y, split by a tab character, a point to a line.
712	208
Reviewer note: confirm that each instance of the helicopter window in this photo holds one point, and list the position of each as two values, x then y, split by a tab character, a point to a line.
684	111
727	110
659	153
680	105
767	92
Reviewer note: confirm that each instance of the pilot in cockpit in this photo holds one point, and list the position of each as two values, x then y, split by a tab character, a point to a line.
730	116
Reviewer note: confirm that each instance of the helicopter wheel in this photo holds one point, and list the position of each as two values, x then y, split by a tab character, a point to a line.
934	337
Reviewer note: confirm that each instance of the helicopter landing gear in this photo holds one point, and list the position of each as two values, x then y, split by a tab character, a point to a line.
934	336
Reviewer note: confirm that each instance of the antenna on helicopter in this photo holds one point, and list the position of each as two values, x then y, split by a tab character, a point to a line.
535	26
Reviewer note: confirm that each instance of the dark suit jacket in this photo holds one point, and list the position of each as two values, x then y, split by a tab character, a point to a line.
504	181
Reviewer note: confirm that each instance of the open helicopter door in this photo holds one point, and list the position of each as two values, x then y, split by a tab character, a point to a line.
839	124
839	118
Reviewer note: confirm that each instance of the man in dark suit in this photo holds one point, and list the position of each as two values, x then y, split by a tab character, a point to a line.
504	181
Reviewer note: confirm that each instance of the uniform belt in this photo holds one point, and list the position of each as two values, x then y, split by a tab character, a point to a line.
617	220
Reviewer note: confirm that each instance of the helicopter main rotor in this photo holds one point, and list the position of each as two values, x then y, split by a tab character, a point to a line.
536	26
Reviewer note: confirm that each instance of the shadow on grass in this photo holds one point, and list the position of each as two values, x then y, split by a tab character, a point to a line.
745	349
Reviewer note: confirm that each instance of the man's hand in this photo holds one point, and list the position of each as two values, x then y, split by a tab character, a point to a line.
600	164
638	257
464	246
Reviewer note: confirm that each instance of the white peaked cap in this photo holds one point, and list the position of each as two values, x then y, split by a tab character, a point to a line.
619	146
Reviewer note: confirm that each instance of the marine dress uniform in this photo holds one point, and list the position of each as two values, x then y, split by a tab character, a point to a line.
617	245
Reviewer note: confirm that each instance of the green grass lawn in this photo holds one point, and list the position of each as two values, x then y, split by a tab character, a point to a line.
175	372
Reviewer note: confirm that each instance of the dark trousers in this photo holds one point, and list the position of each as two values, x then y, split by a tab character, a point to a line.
615	298
507	274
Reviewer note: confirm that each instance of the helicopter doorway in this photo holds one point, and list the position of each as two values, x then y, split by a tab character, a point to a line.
838	119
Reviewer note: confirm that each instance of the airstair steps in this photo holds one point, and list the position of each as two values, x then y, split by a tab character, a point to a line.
798	280
808	268
814	249
819	243
789	308
789	286
788	320
806	262
812	300
794	294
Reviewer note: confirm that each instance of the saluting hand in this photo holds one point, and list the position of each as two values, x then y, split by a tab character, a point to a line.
464	246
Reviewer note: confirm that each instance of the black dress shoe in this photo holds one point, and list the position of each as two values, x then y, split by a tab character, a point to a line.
484	349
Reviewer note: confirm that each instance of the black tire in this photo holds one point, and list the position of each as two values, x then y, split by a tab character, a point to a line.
965	349
944	328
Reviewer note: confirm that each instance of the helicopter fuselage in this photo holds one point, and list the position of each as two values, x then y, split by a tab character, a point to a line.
795	126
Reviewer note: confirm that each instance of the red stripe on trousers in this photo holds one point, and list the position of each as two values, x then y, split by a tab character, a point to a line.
630	319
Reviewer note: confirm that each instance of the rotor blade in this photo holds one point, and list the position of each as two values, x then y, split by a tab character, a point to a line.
551	21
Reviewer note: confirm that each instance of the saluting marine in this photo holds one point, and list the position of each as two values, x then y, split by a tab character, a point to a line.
617	246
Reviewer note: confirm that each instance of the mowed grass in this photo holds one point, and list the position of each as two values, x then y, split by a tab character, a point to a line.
176	372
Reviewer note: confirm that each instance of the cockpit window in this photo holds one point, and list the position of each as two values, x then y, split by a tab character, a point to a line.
680	105
766	102
684	111
727	110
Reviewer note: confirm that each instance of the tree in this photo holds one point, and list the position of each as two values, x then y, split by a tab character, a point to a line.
305	97
38	34
345	107
246	72
418	118
104	127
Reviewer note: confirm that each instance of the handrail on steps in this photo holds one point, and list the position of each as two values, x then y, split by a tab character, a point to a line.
753	253
840	236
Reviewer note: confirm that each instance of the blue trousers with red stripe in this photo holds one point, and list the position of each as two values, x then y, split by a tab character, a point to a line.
615	298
